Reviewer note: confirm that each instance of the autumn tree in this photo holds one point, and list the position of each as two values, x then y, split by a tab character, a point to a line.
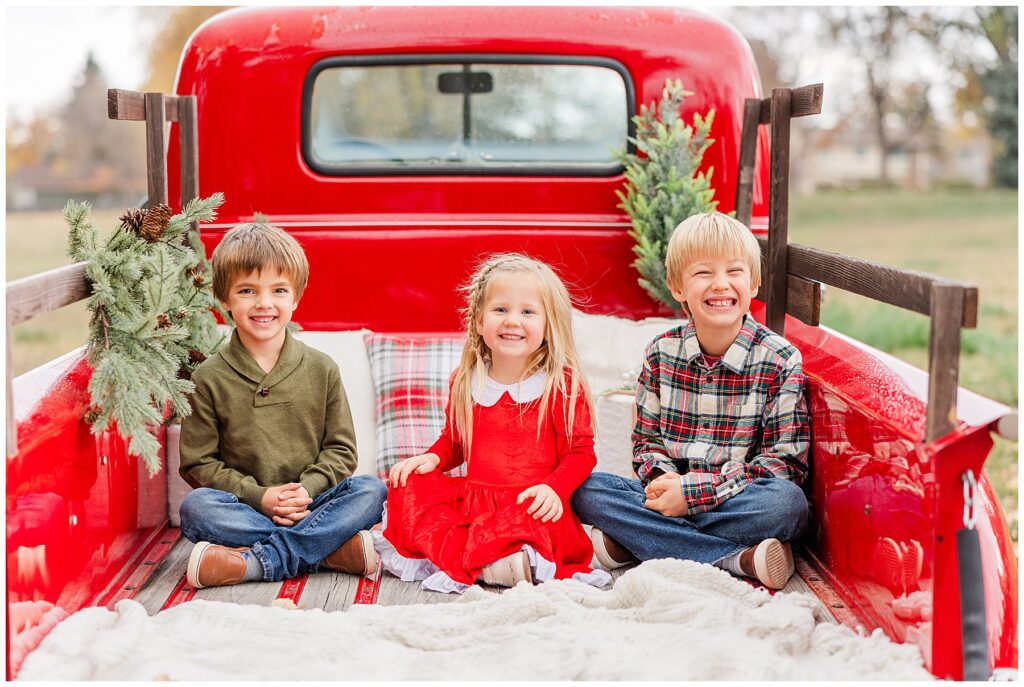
169	28
984	56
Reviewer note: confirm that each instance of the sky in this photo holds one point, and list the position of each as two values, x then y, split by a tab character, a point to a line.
46	48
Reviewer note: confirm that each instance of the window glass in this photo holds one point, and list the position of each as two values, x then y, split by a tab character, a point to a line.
467	115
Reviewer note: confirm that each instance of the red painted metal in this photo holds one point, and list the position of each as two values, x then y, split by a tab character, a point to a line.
823	583
406	269
291	589
369	587
78	508
182	593
887	506
138	570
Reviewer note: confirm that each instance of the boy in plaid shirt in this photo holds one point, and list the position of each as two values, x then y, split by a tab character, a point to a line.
721	437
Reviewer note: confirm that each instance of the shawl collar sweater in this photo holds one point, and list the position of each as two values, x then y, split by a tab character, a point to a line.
251	430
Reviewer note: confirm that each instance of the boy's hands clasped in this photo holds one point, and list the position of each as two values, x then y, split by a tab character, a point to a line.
665	495
286	504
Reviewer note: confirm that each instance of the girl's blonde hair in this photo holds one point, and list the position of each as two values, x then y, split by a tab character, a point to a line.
557	355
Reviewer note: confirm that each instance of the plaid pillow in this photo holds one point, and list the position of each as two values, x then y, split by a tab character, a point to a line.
410	376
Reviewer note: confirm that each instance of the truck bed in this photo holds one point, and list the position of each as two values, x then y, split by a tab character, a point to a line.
164	585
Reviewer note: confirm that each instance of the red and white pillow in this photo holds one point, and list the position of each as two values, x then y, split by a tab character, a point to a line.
410	376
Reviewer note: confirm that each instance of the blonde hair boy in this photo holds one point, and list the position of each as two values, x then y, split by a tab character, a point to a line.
710	234
722	429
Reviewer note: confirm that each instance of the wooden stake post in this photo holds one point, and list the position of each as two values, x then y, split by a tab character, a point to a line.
792	275
48	291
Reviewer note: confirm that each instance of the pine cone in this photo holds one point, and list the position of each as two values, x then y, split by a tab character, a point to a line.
132	219
91	414
181	313
195	356
163	321
197	275
155	223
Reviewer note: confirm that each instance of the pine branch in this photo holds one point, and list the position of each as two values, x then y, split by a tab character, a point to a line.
149	322
663	186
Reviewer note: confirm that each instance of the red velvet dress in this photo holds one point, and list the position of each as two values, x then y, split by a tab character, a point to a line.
464	523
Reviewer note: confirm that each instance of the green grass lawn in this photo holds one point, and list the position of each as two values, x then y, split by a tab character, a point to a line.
970	236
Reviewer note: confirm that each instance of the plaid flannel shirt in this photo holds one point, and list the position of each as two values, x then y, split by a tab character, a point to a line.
722	427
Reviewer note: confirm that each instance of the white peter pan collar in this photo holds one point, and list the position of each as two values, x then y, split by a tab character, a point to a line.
530	389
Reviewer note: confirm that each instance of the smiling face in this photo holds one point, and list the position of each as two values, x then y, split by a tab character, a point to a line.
717	293
261	304
512	322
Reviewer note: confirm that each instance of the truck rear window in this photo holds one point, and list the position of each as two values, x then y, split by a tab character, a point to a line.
469	115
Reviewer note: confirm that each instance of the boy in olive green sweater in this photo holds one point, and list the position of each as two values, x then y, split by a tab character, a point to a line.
270	445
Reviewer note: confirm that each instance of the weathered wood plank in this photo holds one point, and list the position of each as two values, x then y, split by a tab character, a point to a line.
258	593
773	289
803	299
905	288
947	305
189	149
747	162
156	164
330	591
803	296
131	106
806	100
394	592
44	292
156	591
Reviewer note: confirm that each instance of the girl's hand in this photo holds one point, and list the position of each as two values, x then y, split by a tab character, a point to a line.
421	465
546	505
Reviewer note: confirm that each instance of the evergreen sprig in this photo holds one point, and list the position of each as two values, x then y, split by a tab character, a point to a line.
151	322
663	185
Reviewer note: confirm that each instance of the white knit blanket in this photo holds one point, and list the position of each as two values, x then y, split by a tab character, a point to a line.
664	620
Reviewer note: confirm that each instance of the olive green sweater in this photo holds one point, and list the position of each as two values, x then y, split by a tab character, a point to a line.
250	430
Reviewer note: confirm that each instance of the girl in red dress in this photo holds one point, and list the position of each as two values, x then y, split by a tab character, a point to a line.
519	416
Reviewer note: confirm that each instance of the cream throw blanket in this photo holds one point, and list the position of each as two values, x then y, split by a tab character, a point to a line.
664	620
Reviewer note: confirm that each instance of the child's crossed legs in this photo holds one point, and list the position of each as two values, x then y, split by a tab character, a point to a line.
766	509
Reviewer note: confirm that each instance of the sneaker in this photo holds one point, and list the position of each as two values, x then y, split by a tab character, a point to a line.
609	553
211	565
356	556
771	562
888	565
508	571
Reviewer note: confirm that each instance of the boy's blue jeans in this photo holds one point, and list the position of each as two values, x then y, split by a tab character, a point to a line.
335	516
767	508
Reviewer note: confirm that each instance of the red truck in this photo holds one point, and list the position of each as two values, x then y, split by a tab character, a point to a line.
319	119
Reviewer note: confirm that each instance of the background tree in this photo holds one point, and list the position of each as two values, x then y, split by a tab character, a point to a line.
983	54
169	27
879	39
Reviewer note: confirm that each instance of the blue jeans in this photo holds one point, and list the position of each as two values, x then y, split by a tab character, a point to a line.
335	516
767	508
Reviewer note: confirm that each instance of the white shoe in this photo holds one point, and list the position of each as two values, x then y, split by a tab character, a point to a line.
601	543
508	571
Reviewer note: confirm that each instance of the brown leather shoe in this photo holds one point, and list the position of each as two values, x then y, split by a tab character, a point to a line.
356	556
771	562
211	565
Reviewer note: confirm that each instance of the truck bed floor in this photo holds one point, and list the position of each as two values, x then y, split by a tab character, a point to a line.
326	590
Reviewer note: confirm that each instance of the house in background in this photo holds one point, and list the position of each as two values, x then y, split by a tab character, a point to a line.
847	156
